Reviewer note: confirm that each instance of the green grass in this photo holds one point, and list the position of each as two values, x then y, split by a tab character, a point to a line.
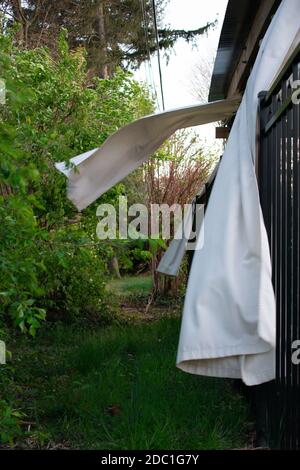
131	285
118	388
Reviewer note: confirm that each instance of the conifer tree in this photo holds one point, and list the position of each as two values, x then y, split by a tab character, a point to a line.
114	32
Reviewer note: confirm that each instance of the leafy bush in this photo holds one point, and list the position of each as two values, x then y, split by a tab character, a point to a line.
54	110
74	279
10	427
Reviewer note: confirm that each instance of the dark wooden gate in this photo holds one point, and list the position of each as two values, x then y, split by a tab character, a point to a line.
278	176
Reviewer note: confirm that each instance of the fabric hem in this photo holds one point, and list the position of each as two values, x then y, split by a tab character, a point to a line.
185	354
228	373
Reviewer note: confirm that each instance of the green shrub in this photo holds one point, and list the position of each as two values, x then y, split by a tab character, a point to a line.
10	427
74	280
54	110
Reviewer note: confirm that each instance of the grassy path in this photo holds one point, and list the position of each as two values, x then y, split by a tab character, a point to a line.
118	388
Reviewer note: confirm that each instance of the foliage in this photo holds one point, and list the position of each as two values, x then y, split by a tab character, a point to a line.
74	279
179	170
112	32
10	428
48	256
174	176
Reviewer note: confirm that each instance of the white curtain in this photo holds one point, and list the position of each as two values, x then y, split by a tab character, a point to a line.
228	325
96	171
172	258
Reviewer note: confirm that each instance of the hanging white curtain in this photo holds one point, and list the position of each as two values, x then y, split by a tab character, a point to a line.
172	258
228	325
96	171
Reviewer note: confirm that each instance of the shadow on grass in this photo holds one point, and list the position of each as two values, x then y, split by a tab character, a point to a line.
118	388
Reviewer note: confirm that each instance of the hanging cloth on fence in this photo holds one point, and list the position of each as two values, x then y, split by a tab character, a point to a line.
172	258
228	325
92	173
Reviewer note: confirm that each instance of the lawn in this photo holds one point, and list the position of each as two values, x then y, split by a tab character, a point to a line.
131	286
118	388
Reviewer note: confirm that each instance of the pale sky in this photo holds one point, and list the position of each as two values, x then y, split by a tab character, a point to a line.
186	14
177	74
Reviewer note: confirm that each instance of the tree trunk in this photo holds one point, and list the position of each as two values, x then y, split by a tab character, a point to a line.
102	37
114	267
163	285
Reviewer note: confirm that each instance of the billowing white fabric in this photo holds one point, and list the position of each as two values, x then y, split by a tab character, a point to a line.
99	169
228	325
172	258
